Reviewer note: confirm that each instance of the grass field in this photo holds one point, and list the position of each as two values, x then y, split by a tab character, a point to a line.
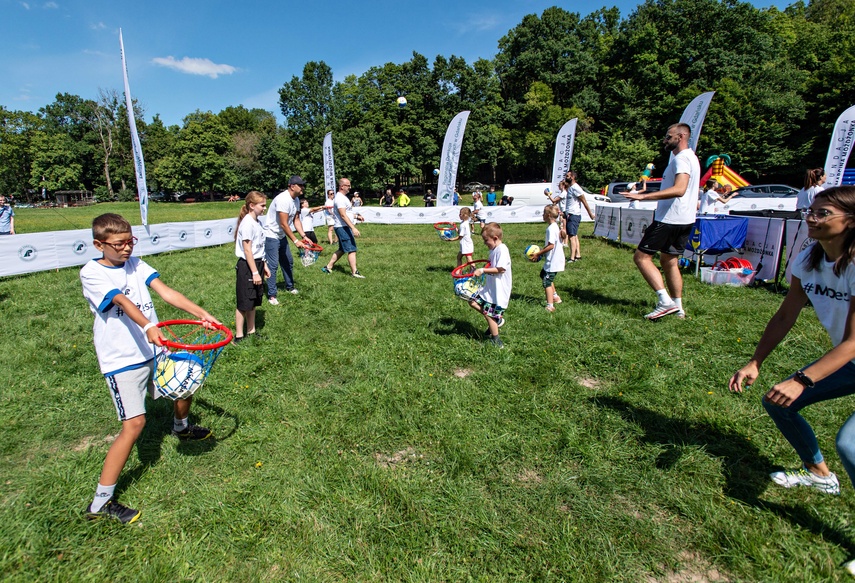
369	435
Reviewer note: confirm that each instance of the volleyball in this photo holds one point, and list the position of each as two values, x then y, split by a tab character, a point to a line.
179	374
448	234
436	171
530	252
402	102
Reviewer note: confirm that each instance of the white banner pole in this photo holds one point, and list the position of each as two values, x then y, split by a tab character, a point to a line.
563	154
450	159
329	165
139	162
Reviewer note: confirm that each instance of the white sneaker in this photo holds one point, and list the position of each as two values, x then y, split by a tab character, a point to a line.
803	477
681	314
357	275
273	301
662	310
294	291
556	299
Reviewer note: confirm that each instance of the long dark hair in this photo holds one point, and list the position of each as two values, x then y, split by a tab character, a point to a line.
843	197
252	197
812	176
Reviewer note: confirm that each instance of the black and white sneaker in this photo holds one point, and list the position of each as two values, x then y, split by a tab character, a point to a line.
193	433
114	510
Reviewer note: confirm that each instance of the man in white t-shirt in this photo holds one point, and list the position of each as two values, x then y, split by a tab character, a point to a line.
672	223
345	230
283	218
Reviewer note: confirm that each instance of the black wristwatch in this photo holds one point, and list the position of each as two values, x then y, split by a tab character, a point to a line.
804	379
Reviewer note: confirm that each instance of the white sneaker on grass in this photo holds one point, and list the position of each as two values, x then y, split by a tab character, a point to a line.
662	309
803	477
273	301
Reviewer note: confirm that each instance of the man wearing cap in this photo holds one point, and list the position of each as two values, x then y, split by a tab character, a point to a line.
345	230
283	218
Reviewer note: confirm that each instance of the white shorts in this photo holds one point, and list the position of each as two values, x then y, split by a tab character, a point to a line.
128	389
330	221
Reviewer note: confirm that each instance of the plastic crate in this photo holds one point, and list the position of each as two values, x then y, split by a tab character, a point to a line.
734	277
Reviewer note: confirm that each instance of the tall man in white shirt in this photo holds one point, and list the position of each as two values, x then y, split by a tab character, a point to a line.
672	223
283	218
345	230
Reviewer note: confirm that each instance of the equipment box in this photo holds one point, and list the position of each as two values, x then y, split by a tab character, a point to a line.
734	277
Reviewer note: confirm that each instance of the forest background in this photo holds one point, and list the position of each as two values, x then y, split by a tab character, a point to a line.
781	79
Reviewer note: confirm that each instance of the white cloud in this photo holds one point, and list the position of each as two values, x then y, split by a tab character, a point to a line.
51	5
478	23
98	26
25	5
193	66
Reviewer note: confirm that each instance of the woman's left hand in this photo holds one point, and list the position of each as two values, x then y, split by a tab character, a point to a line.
784	393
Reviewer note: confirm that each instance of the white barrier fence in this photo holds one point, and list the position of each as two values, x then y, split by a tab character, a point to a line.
763	245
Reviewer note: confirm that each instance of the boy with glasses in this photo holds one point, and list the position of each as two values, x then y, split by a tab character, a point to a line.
117	289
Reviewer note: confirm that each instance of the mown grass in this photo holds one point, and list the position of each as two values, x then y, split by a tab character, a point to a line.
370	435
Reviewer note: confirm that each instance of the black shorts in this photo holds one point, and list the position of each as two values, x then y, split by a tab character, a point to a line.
665	238
310	235
248	294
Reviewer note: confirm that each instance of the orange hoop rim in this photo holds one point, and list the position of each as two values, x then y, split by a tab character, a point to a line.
309	245
457	272
182	346
444	226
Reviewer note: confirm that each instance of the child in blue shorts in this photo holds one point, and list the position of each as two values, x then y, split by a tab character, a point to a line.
553	252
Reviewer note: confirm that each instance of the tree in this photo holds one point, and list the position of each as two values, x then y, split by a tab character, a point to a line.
17	129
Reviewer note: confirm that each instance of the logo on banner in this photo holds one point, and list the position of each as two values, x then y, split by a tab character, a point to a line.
182	236
209	232
421	214
155	239
630	227
644	225
400	214
377	215
79	247
27	253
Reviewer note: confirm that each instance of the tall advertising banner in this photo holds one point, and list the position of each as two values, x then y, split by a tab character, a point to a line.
840	147
694	116
139	163
450	159
329	166
563	152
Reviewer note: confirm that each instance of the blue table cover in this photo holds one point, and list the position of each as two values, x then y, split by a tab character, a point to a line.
716	234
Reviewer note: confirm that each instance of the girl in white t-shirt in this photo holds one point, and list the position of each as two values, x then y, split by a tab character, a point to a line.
329	216
477	207
553	252
464	235
249	249
824	275
814	180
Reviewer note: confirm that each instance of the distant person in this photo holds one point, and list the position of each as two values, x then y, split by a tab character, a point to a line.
249	249
711	196
478	209
125	332
7	217
388	198
573	214
283	219
429	198
464	235
402	199
308	220
672	223
455	198
814	183
553	250
492	301
506	200
491	196
822	276
329	218
345	230
356	201
635	188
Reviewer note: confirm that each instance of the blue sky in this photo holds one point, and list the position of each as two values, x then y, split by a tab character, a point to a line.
185	55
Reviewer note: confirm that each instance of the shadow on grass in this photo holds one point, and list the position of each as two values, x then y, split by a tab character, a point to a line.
746	469
453	327
158	427
441	269
589	296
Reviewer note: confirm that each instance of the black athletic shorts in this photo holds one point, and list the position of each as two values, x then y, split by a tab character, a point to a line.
248	294
665	238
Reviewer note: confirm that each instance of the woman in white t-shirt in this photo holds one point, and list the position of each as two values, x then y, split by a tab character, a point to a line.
814	180
824	275
573	214
249	249
329	217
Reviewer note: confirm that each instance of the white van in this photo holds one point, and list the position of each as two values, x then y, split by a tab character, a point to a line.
531	193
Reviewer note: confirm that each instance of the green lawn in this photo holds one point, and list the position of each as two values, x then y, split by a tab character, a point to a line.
371	436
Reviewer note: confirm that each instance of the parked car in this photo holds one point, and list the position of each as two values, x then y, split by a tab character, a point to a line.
612	190
473	186
766	191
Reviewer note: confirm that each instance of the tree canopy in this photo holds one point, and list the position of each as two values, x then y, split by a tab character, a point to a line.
781	79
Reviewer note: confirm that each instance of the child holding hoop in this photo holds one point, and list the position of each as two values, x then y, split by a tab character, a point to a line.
477	207
306	213
249	249
554	252
492	301
823	273
464	235
116	286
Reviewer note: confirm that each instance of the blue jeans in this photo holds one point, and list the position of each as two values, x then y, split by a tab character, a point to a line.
277	254
799	433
